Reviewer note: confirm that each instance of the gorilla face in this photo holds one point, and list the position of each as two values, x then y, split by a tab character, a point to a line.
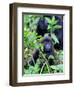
42	23
48	45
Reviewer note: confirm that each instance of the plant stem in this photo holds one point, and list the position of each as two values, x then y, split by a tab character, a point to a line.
33	60
46	61
42	67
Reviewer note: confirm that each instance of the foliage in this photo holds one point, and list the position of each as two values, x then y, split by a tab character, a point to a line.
30	22
59	55
32	41
53	24
54	38
57	68
32	69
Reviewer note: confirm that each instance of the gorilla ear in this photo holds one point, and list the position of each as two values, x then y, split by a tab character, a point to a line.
47	36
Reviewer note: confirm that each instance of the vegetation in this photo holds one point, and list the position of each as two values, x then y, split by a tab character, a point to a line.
32	42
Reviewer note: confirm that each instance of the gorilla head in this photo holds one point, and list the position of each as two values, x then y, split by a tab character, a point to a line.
42	26
48	45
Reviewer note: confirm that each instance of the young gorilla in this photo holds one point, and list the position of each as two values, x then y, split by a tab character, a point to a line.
48	45
48	50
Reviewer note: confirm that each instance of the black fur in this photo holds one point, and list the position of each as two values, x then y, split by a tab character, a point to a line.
42	26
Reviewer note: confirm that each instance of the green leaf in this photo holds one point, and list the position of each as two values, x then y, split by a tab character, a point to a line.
32	69
53	18
51	57
36	68
49	20
57	68
54	38
54	21
59	55
53	24
49	27
57	27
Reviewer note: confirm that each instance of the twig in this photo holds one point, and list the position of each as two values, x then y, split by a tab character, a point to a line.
42	67
46	61
33	60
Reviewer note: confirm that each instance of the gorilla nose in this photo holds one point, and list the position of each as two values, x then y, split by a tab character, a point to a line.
48	47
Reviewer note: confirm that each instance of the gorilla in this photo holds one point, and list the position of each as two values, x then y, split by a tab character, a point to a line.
59	34
48	45
48	49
